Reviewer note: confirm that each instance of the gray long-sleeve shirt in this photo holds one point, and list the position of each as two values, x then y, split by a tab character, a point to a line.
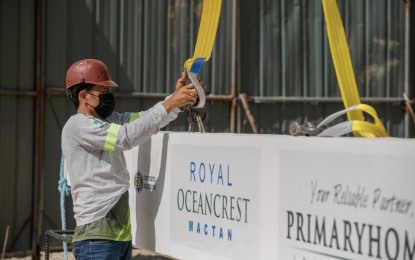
95	162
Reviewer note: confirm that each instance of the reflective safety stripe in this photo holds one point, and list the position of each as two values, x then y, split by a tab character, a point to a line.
134	116
111	137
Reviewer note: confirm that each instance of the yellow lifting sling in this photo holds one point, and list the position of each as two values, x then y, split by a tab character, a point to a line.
204	44
345	76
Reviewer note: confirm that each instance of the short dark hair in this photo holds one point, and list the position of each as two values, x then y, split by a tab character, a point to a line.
73	92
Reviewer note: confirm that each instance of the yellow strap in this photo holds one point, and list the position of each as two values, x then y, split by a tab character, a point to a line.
368	129
206	36
344	69
111	137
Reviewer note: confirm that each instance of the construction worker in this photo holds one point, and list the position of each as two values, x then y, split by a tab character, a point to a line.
93	141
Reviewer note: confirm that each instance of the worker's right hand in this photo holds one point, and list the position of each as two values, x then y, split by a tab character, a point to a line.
184	95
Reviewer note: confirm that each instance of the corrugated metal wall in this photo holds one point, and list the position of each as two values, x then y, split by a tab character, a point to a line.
288	56
145	43
276	52
17	57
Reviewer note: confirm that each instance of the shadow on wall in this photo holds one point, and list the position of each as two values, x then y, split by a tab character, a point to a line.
147	212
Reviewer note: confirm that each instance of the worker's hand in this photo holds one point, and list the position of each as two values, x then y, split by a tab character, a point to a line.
182	82
184	95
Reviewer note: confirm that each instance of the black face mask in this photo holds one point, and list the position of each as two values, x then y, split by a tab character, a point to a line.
106	105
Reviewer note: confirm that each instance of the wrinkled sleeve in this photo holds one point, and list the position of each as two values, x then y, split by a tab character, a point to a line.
116	137
170	117
121	118
128	117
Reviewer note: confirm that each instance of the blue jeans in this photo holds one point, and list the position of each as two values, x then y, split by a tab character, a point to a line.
102	249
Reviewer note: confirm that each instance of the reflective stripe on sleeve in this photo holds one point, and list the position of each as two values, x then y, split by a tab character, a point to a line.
111	137
134	116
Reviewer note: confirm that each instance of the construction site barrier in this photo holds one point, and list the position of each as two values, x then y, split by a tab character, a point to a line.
235	196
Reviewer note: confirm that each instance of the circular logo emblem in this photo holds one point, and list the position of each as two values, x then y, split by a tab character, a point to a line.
138	182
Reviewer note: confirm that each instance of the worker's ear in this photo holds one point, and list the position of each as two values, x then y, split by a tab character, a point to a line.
82	96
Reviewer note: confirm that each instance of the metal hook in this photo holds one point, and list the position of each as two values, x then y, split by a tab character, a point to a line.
197	118
308	129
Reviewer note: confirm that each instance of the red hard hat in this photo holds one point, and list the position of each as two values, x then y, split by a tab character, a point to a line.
89	71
